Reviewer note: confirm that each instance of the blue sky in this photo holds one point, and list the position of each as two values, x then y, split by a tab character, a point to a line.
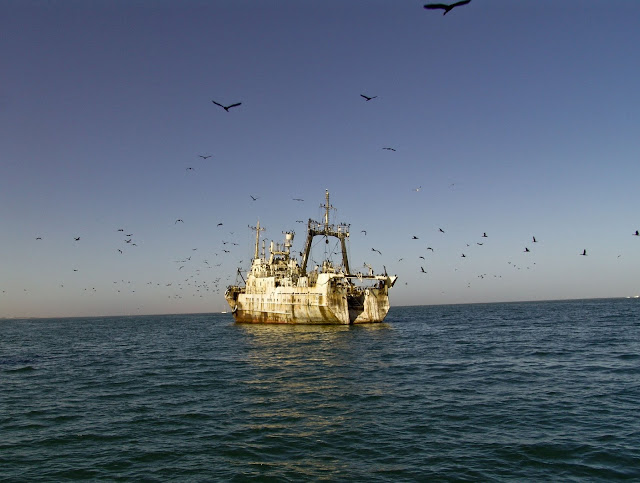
517	119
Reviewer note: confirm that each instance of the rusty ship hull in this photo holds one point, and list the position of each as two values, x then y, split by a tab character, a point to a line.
300	305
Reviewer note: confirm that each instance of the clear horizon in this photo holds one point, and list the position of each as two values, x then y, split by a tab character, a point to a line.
518	120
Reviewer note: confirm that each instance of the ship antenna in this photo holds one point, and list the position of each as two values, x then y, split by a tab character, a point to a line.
326	207
257	228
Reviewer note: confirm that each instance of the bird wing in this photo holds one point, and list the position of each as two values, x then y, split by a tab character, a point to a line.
218	104
457	4
435	6
234	105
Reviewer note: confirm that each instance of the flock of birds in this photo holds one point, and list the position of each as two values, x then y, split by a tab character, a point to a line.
196	281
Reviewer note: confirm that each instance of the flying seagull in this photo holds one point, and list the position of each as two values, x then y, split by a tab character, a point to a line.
534	240
584	252
526	249
374	250
254	197
204	157
637	233
226	108
367	98
445	7
389	149
364	231
441	230
76	238
414	237
178	220
298	199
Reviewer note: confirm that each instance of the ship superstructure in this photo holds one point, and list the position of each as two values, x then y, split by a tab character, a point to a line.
280	289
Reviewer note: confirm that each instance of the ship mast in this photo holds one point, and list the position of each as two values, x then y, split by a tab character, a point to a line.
257	228
341	232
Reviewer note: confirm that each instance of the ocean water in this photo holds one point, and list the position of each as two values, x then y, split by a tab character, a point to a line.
544	391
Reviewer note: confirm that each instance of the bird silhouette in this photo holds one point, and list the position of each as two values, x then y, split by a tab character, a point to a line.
179	220
526	249
254	197
445	7
429	248
39	238
414	237
637	233
219	224
423	270
298	199
204	157
120	229
364	231
226	108
441	230
76	238
374	250
367	98
484	235
534	240
389	149
584	252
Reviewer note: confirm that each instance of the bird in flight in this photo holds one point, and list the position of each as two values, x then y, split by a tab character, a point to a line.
298	199
526	250
367	98
219	224
39	238
445	7
120	229
77	238
204	157
441	230
389	149
414	237
364	231
637	233
254	197
584	252
179	220
534	240
484	235
374	250
226	108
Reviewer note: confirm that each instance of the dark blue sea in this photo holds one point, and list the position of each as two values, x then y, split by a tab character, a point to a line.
538	391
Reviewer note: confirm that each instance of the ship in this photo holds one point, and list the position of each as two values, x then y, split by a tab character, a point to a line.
280	289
